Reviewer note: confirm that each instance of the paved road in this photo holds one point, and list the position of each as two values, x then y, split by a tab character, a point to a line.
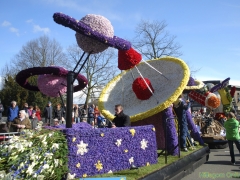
218	166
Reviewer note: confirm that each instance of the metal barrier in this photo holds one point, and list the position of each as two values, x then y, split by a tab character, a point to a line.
6	136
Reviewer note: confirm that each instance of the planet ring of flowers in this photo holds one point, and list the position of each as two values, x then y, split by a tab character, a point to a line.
23	75
165	91
87	31
199	85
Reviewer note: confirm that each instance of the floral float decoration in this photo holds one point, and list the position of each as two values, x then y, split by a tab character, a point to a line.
51	80
94	27
166	85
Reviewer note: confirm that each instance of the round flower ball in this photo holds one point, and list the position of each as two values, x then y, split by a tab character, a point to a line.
97	23
51	85
127	59
141	89
212	101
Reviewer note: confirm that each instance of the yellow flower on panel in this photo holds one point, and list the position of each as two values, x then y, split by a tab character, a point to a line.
99	166
132	131
125	150
78	165
102	134
73	139
84	175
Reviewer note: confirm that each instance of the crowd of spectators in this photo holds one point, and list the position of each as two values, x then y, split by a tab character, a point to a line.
28	117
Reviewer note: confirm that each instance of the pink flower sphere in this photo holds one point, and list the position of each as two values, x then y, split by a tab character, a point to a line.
101	25
51	85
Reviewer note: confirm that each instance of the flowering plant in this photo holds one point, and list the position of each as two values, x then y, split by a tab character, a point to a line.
34	155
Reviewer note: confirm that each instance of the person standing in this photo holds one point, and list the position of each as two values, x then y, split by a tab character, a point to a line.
21	122
34	120
77	113
121	119
58	114
1	110
38	113
180	107
48	113
232	134
12	113
25	107
91	115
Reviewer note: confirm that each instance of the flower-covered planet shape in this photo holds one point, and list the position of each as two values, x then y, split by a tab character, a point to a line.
97	23
51	80
52	85
93	26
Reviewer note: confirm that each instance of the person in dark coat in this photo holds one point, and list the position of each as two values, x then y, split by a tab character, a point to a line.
1	110
58	114
34	120
121	119
48	113
25	107
180	107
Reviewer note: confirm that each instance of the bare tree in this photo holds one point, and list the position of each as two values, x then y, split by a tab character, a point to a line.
153	41
40	52
99	69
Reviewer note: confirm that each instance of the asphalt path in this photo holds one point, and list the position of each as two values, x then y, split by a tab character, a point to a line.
218	166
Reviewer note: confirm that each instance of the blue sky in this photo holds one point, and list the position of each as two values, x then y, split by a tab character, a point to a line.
208	30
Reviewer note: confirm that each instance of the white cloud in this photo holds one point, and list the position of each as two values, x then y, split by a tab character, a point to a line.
29	21
37	28
6	23
14	30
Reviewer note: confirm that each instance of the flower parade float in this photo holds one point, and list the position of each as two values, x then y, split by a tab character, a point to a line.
145	89
218	99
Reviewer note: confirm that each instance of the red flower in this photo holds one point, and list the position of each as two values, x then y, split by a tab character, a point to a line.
233	90
140	88
127	59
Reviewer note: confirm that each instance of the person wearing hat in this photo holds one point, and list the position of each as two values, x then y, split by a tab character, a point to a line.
48	111
34	120
56	122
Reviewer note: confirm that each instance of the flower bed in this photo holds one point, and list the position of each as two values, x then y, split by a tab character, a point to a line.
98	151
34	155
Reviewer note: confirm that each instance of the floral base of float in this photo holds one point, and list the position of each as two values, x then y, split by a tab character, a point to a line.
76	152
104	150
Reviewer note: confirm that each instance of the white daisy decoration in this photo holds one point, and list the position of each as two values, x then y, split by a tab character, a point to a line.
131	160
71	176
110	172
144	144
82	148
118	142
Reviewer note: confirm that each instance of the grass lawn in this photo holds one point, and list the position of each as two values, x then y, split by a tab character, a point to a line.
143	171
